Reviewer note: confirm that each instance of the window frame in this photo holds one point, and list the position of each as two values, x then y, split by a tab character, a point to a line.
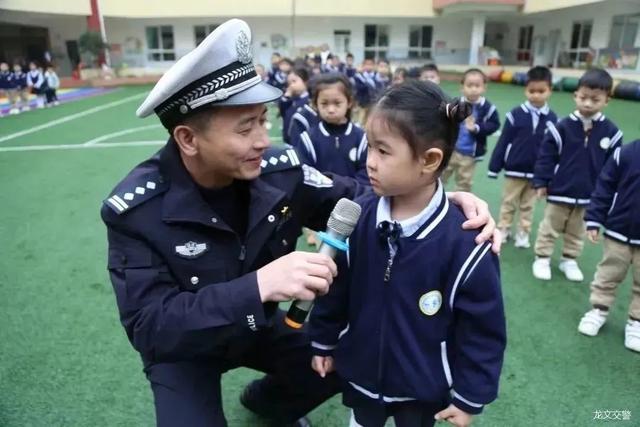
165	54
422	50
377	51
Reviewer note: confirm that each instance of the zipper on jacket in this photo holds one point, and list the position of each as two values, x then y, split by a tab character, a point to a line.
337	142
393	249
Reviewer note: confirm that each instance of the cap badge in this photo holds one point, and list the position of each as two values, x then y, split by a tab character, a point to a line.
243	48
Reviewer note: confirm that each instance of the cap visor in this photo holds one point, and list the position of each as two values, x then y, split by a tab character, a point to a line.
258	94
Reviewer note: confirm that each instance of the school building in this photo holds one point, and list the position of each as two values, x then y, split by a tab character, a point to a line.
147	36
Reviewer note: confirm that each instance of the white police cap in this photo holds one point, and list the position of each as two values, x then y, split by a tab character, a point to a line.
217	72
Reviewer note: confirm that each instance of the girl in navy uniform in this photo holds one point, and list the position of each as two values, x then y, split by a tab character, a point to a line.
335	144
303	119
5	84
19	89
296	96
37	83
414	323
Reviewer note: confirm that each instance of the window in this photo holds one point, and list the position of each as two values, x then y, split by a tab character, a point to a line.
376	41
420	41
524	43
200	32
624	29
160	45
580	38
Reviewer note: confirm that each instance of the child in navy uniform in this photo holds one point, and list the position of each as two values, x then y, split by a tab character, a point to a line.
615	206
295	96
302	120
571	157
516	153
5	80
335	144
368	85
37	83
472	138
430	73
414	322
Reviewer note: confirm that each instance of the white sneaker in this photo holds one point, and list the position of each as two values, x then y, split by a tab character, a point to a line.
522	240
14	111
56	103
571	270
26	108
542	268
505	234
592	321
632	335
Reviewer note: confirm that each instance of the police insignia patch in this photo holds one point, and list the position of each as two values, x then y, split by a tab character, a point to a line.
243	48
191	249
430	303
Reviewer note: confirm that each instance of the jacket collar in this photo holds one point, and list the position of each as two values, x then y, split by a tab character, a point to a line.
480	102
576	116
527	106
325	132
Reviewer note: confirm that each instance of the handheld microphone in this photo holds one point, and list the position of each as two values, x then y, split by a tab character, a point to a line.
342	221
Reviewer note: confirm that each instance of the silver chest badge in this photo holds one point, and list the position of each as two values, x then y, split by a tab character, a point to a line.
191	249
243	48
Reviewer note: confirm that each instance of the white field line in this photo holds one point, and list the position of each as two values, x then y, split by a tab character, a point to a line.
71	117
120	133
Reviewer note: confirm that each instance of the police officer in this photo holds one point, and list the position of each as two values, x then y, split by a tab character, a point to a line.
202	238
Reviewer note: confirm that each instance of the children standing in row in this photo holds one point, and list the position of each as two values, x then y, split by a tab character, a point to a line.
571	157
516	152
368	86
472	138
412	340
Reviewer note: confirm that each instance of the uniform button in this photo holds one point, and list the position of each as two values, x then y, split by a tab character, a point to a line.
271	218
284	242
195	280
214	220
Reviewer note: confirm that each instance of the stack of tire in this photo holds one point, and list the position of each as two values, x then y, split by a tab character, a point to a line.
627	89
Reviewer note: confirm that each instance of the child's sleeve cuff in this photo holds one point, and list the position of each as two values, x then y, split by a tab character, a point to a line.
466	405
319	349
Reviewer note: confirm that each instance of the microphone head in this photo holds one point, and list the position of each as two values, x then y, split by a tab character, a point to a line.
344	217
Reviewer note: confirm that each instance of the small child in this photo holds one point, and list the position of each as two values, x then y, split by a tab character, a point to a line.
570	159
472	138
53	83
335	144
368	86
399	76
414	322
516	153
5	80
304	118
295	96
37	83
20	91
615	205
349	69
430	73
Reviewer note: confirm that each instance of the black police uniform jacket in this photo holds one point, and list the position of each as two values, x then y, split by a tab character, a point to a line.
185	283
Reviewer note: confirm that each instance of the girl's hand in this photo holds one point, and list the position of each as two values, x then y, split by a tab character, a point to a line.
470	124
455	416
477	212
322	365
593	235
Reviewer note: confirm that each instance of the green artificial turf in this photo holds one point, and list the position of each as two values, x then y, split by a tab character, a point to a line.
65	360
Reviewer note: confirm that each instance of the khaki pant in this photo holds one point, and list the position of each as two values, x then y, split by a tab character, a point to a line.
463	166
16	95
565	220
616	259
518	194
361	114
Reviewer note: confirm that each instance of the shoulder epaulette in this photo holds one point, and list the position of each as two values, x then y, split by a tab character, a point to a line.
135	191
278	159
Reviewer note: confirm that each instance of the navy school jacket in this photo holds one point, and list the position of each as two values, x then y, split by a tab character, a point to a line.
487	122
368	86
517	148
184	281
288	107
18	80
5	77
303	119
343	154
571	159
425	323
277	79
615	202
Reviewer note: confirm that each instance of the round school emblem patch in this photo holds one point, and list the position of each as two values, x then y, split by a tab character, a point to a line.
430	303
605	143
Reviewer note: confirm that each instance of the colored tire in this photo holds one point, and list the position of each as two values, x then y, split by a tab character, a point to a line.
570	84
506	77
628	90
520	79
495	75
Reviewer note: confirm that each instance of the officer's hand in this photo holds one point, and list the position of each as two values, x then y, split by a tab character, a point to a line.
478	215
298	275
322	365
593	235
455	416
